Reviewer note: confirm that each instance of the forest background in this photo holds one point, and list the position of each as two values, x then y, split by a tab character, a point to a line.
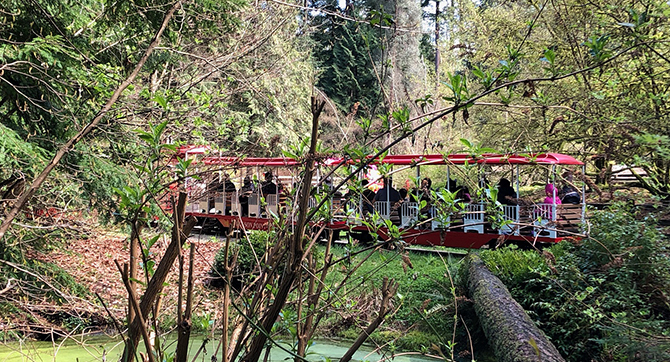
83	82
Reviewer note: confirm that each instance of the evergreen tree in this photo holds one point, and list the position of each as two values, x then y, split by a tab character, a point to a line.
345	54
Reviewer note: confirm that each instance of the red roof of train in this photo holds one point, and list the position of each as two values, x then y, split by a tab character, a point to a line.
456	159
489	159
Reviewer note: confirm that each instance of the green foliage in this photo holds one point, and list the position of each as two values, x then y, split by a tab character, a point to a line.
600	298
424	292
202	323
615	108
17	155
47	281
458	85
250	254
345	54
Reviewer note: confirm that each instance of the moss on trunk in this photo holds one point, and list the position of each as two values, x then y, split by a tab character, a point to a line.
511	333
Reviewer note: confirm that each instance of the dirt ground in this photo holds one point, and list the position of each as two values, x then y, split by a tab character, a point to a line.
91	263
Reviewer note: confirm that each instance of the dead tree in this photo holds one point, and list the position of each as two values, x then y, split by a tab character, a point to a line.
511	333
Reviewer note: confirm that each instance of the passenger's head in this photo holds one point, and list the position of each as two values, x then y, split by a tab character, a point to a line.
567	175
364	183
550	189
452	185
247	179
403	193
268	176
504	182
426	182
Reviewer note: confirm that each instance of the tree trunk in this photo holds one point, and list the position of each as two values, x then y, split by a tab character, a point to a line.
296	247
511	333
181	230
184	328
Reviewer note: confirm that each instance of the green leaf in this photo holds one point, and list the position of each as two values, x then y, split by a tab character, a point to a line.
161	101
466	143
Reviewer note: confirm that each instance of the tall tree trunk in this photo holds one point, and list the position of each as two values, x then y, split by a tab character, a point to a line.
134	259
184	328
181	229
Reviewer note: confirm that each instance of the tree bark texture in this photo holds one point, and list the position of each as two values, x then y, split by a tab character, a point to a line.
511	333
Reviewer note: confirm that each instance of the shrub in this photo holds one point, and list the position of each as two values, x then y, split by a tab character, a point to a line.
248	256
601	300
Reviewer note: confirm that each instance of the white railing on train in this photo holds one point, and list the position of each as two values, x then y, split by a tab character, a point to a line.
254	205
235	208
272	202
544	220
382	208
511	215
409	214
473	218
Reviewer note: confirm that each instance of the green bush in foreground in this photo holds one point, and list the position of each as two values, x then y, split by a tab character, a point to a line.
249	253
604	299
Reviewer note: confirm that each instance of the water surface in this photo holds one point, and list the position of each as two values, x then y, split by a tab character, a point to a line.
89	349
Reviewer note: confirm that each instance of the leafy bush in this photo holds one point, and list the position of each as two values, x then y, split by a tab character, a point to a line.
603	299
249	254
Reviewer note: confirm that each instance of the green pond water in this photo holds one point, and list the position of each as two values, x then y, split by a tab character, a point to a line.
90	349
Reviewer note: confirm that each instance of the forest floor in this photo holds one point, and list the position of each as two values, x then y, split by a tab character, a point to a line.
91	262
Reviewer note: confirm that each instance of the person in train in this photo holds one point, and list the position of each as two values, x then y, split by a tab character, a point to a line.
569	193
551	195
268	187
387	193
506	193
245	191
229	188
368	197
463	194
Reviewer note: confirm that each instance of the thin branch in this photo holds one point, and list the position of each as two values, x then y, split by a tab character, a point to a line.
69	145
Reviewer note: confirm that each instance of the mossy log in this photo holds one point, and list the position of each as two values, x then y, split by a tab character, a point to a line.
511	333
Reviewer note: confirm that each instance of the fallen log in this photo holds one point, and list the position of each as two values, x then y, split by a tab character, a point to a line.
510	332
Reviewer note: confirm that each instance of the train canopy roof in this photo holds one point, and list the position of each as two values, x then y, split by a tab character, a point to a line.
489	159
408	160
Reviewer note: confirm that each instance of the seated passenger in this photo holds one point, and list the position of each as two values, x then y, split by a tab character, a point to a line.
506	193
463	194
426	185
546	209
229	188
403	194
268	187
368	198
569	193
387	193
245	191
552	195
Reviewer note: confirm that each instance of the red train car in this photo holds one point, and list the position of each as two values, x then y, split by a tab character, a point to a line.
248	193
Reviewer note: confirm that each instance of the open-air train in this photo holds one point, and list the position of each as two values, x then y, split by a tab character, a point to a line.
467	226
